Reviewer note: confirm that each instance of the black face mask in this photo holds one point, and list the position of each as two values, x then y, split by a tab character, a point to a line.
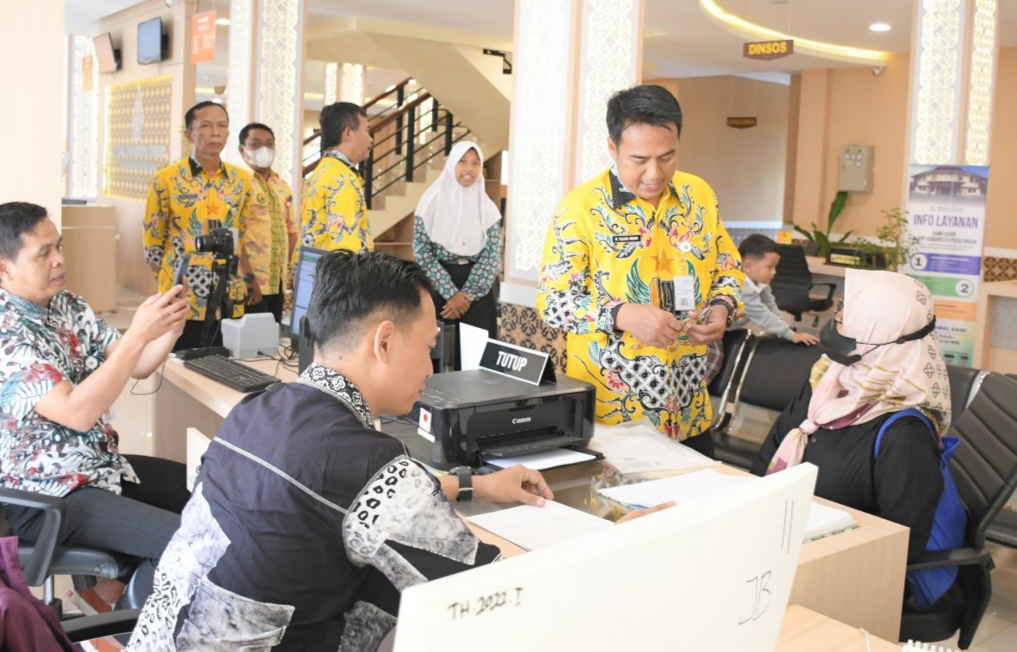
839	347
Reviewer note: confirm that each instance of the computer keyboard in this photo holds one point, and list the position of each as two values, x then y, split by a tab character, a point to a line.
231	373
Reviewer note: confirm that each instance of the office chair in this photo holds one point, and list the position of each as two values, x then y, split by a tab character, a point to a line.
775	371
792	286
985	470
43	559
1003	530
737	344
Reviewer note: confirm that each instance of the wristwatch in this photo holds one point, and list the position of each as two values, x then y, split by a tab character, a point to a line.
465	475
248	278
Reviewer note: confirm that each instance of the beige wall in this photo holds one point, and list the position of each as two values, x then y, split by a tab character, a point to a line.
745	167
851	106
1001	211
32	48
840	107
131	269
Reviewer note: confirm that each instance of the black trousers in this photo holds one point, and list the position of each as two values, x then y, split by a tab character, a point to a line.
191	337
701	444
272	303
140	522
483	312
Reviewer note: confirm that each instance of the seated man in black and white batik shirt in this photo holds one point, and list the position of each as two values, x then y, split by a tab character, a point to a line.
305	522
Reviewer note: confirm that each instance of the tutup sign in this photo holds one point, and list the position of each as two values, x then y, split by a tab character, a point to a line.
767	50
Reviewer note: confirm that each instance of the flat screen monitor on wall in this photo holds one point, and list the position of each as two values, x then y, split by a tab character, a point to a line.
107	56
150	41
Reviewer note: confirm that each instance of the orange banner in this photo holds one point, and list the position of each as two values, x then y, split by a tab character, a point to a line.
203	37
86	72
959	310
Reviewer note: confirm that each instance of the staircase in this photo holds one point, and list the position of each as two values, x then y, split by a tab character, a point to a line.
412	139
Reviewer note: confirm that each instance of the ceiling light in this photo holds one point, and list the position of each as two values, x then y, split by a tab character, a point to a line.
413	82
750	30
222	21
880	27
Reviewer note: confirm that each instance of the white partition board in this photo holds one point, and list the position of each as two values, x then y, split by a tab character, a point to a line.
713	574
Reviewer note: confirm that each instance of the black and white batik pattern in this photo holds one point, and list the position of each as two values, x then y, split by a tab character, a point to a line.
404	504
367	625
222	620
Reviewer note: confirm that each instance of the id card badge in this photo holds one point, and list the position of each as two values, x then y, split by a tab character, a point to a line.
684	293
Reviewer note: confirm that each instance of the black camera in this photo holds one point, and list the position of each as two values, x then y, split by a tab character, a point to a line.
217	241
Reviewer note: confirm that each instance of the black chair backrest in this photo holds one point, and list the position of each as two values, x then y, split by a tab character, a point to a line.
734	343
777	371
793	279
962	379
985	465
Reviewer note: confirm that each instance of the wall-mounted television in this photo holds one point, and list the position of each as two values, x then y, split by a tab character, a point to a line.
150	41
107	56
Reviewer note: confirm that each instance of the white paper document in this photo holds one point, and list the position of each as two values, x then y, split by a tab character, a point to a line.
822	520
538	527
541	460
679	488
638	447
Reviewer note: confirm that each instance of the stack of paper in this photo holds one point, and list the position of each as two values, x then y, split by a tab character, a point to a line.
536	527
823	520
541	460
637	447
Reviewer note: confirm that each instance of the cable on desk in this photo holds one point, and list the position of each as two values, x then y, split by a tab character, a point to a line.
162	375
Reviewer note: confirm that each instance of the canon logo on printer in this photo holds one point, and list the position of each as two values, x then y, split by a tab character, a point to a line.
522	420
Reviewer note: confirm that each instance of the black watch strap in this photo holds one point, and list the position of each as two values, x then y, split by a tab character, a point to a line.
465	475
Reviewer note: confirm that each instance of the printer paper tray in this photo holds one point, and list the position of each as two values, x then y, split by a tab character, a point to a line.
510	450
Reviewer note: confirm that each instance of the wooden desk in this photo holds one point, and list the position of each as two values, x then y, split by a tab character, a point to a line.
855	577
805	630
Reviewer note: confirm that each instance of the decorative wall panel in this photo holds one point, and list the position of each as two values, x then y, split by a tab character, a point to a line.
138	134
610	63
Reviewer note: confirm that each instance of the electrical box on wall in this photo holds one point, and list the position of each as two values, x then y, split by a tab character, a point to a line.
856	165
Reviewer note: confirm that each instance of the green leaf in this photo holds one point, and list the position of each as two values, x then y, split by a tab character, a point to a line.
194	226
638	290
807	234
836	208
845	237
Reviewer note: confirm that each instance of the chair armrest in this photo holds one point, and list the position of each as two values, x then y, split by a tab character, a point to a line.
99	625
955	557
36	568
830	289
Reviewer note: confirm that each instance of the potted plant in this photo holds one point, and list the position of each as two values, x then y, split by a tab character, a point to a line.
819	241
895	244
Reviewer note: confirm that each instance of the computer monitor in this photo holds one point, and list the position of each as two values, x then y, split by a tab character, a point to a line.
303	286
150	41
107	56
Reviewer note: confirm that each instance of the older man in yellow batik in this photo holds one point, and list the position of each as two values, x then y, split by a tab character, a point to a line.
186	200
334	211
640	271
272	229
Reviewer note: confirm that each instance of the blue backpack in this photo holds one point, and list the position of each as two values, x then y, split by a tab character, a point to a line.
949	523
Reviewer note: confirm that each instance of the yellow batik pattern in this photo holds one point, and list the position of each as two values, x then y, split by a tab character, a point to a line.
334	210
606	247
271	222
183	205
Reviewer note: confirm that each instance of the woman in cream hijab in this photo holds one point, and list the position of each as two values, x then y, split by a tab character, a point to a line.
882	357
457	240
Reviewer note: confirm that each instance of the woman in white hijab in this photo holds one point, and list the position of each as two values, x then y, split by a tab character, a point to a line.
882	358
457	240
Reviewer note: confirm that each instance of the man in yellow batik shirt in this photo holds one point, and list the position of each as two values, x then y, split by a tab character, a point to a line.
188	199
334	211
640	271
271	229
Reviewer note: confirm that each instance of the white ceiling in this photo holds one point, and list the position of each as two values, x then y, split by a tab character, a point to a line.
680	40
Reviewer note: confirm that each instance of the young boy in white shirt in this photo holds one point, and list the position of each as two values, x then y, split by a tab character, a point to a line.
759	259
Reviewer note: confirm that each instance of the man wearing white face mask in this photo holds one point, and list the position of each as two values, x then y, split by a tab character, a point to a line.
271	229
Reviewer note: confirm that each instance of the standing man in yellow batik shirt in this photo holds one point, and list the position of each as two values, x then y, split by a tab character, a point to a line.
632	261
188	199
272	229
334	211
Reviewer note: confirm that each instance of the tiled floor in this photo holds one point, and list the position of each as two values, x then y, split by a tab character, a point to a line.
998	631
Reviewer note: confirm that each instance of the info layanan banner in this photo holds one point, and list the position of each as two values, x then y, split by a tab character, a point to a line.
946	214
